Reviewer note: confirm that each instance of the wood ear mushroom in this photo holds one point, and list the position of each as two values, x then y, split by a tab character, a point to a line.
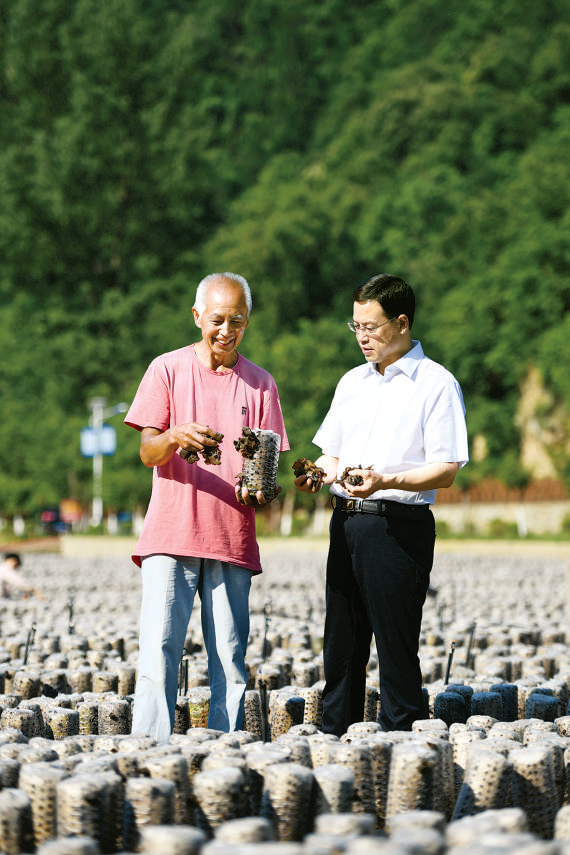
211	453
303	466
352	480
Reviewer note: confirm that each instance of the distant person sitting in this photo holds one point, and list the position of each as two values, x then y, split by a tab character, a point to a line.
11	578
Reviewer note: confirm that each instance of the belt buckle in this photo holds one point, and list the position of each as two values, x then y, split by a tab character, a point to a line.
353	505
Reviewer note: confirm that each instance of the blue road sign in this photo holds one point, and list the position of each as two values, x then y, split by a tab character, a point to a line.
103	441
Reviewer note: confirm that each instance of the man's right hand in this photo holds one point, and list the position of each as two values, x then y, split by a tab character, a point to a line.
325	462
203	439
158	447
307	485
194	436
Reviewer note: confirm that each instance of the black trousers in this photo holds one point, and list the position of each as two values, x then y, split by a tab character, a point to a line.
378	572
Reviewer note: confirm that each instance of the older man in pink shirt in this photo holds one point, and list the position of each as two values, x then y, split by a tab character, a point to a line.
199	530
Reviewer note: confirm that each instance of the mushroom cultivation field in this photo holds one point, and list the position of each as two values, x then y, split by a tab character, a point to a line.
486	770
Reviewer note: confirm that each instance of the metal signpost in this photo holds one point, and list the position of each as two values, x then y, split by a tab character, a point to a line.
99	440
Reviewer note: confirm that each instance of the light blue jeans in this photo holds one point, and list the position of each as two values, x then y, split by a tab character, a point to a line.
169	585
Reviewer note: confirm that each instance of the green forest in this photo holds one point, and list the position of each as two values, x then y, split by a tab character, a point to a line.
306	145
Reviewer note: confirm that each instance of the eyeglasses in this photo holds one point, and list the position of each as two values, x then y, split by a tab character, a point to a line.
357	328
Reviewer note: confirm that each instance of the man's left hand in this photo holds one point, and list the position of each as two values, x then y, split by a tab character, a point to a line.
244	498
371	482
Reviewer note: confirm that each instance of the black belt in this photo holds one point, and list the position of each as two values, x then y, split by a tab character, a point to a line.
380	507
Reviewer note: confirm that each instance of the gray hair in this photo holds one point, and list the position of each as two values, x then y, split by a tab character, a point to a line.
202	290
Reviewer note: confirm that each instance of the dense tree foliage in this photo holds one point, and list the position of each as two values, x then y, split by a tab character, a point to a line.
306	145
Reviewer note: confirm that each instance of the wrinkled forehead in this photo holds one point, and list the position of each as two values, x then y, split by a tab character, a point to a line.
225	295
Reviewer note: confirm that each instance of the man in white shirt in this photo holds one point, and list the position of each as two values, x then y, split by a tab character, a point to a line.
396	429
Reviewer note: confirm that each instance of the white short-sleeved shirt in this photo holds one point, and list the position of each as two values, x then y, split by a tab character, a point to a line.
193	510
410	416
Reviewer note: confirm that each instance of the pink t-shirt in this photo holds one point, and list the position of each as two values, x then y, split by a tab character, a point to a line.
193	510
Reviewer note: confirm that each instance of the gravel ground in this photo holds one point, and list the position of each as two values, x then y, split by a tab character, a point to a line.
496	591
505	612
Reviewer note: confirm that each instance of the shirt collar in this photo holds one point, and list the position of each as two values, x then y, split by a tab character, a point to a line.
406	364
